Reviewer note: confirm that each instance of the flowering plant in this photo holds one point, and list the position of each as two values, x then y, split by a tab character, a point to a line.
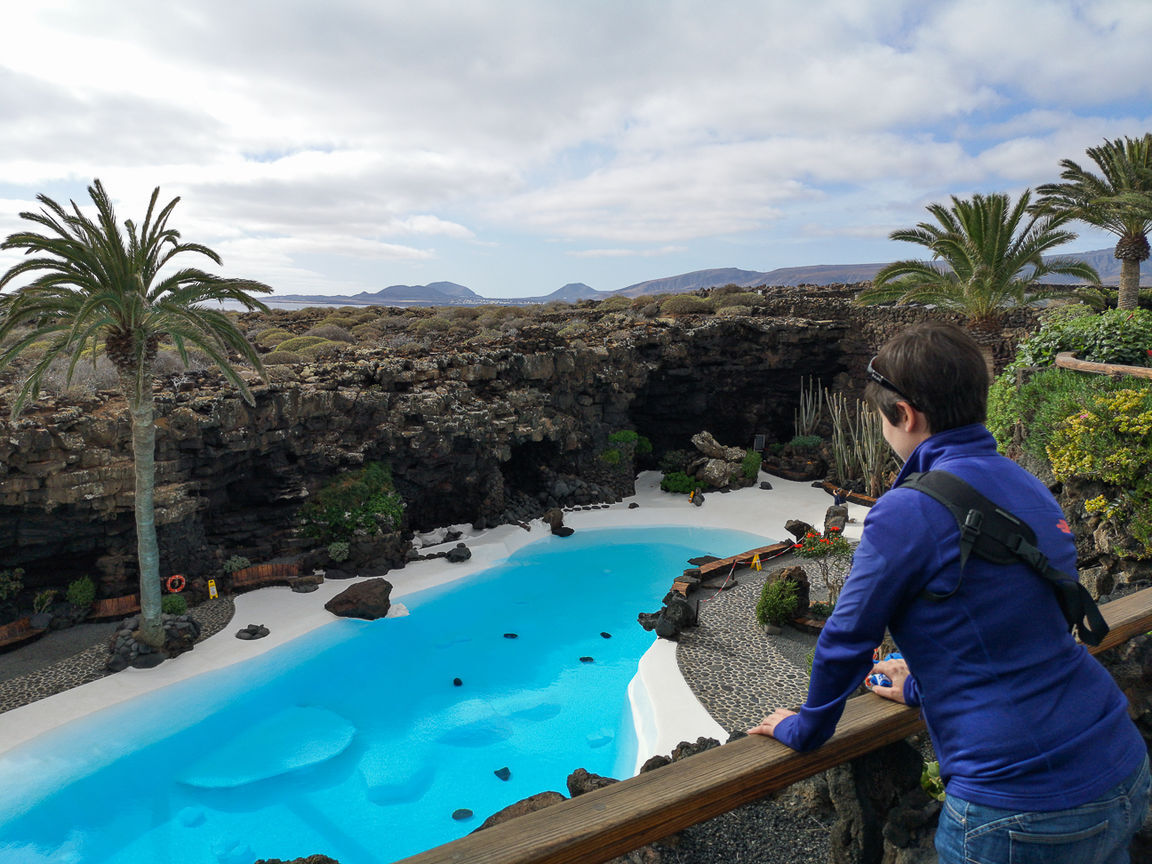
832	554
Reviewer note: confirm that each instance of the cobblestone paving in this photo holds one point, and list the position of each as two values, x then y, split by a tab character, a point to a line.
737	672
88	664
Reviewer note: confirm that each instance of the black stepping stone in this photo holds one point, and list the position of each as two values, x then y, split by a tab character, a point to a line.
511	636
502	773
461	814
586	660
456	682
606	635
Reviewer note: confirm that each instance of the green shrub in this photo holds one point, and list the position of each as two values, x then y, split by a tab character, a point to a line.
1119	336
931	781
324	350
236	562
820	609
298	343
1110	441
1039	404
363	502
805	442
611	456
641	446
751	464
435	324
11	583
273	337
573	329
173	604
331	331
777	602
685	304
678	482
282	358
1115	336
675	460
616	303
733	311
81	593
339	550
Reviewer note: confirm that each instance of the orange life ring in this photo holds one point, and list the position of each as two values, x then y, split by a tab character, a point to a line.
175	583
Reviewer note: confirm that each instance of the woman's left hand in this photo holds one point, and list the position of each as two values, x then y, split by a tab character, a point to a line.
768	725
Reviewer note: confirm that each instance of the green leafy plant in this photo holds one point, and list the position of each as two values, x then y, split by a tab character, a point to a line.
820	609
1114	336
751	464
236	562
357	503
43	600
81	593
339	550
173	604
832	554
11	583
805	442
678	482
642	446
778	602
931	781
611	456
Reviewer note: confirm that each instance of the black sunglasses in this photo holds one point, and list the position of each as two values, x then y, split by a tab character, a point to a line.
888	385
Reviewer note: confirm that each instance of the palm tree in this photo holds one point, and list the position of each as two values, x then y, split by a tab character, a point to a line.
988	254
1119	200
90	288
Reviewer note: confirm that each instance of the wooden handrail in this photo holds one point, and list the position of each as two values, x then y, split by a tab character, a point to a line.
1068	360
608	822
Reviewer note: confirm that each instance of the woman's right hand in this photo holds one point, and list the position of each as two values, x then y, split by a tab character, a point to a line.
895	671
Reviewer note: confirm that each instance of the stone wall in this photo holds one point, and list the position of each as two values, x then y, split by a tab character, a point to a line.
470	436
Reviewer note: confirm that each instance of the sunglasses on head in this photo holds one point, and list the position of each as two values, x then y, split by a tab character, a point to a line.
886	384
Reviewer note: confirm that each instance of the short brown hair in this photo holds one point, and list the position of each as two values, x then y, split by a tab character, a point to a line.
939	369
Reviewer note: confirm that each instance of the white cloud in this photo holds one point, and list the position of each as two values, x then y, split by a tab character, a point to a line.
365	130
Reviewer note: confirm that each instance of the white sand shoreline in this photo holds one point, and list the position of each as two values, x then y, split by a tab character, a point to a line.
664	709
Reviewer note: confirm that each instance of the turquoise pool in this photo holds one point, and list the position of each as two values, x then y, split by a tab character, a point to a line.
354	741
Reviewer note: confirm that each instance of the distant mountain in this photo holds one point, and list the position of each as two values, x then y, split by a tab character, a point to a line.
432	294
452	294
694	281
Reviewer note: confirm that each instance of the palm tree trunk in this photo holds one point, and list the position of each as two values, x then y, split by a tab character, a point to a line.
147	549
1128	296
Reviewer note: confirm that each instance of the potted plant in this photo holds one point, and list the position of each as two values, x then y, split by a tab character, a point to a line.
777	605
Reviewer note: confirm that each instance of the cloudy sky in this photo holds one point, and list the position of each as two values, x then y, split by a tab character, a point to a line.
514	146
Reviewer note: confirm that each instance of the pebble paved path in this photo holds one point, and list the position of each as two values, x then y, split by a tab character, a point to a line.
88	664
737	672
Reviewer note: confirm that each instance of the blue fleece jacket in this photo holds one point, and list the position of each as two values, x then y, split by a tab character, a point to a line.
1022	717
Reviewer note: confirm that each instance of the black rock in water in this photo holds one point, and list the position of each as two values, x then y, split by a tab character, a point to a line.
503	773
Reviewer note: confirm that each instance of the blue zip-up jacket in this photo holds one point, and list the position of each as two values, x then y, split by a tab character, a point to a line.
1022	717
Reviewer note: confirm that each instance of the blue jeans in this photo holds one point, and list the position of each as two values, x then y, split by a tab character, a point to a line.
1094	833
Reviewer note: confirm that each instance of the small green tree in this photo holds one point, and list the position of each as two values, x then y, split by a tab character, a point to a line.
778	602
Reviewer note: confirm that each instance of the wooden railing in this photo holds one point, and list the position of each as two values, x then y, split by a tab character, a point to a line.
608	822
1068	360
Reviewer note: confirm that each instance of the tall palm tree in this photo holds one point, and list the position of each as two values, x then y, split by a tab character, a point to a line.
1117	199
988	254
92	287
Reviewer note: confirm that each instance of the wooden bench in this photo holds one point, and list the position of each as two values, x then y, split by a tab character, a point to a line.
115	607
263	575
18	631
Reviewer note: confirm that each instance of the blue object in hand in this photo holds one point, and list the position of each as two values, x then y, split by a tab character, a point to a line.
876	679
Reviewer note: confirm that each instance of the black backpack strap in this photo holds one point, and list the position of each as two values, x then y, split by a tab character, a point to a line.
998	536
